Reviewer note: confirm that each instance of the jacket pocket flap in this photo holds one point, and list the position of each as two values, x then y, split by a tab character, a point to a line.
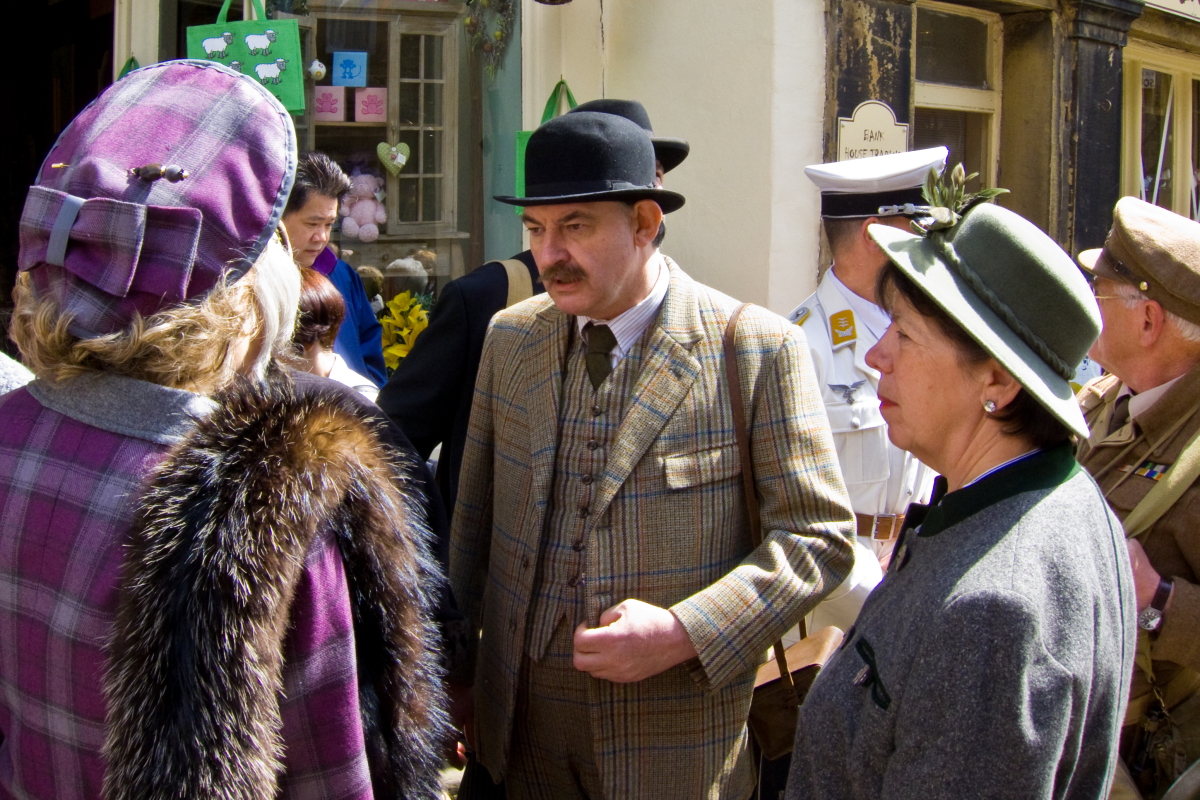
704	466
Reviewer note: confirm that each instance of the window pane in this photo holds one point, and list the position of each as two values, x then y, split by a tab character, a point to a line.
413	140
433	58
433	104
346	34
952	49
1157	137
962	132
430	199
408	199
351	146
410	56
431	152
1195	193
410	103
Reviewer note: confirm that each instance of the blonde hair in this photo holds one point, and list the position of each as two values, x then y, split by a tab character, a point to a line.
182	347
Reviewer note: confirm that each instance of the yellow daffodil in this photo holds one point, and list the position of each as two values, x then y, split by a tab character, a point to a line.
406	317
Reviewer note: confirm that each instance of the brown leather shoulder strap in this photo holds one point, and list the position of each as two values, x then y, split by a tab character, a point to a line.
742	434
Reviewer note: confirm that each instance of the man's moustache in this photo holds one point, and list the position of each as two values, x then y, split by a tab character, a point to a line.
562	273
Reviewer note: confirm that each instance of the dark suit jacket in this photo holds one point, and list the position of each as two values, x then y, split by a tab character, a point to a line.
429	395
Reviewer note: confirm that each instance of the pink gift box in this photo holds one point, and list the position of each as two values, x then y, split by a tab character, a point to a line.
370	104
329	103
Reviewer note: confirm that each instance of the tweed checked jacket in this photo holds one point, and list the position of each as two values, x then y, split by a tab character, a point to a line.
668	527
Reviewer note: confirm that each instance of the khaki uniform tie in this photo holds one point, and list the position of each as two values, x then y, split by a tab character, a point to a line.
1120	414
600	343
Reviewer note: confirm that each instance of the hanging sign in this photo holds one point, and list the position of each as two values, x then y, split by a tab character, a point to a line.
871	130
1182	8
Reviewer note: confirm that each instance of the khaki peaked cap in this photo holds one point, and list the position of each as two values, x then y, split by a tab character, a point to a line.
1155	250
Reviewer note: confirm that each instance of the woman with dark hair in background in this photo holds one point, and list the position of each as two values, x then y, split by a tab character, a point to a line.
992	660
322	311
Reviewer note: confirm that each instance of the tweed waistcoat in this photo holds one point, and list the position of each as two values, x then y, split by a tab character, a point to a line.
589	419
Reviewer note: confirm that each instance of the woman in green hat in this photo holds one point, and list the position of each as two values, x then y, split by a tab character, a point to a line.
993	660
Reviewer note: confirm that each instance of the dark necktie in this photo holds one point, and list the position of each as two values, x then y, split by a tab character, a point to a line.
1120	414
600	342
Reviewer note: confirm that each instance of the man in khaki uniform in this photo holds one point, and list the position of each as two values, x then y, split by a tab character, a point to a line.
1141	416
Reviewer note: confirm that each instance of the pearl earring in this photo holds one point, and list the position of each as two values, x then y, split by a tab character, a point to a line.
989	406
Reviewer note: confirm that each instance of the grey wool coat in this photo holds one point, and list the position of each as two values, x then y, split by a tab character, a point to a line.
994	659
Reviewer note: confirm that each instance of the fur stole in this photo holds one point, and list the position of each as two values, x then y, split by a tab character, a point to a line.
223	529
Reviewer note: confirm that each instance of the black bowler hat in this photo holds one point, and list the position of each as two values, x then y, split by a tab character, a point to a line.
669	151
586	157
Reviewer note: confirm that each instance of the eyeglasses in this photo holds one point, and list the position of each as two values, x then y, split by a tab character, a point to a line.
1099	297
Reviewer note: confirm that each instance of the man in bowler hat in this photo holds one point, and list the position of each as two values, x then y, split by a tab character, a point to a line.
429	395
600	542
1143	415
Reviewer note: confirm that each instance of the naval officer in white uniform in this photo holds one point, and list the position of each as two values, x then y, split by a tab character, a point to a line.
842	321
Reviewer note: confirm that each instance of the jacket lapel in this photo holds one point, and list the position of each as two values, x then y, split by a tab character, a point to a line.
545	355
667	375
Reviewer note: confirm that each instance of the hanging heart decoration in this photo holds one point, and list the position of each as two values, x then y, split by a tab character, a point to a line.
393	156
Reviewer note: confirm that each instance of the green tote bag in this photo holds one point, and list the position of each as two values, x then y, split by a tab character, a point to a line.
557	94
267	50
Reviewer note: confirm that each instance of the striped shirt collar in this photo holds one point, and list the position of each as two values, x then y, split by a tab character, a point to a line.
629	326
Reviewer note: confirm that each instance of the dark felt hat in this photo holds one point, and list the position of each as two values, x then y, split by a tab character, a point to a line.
669	151
586	157
1155	250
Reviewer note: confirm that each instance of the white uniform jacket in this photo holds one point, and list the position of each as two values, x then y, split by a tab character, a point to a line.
880	477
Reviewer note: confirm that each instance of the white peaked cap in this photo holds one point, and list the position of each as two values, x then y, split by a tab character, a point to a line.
877	173
876	186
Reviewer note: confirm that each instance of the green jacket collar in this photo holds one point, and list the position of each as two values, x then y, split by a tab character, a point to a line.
1045	470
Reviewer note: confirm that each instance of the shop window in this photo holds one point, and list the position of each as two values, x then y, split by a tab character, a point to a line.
1160	146
958	86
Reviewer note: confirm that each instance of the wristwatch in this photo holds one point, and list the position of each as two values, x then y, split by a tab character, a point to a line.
1150	617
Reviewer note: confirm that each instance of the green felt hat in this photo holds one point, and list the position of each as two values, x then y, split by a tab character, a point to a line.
1014	291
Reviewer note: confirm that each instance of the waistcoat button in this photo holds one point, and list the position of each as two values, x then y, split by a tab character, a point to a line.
597	411
586	480
583	512
592	444
578	546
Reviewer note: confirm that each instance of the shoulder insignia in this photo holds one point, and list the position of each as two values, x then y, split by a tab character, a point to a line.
802	313
841	327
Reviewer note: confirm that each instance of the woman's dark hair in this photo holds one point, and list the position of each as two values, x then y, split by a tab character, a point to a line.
1024	416
322	310
316	173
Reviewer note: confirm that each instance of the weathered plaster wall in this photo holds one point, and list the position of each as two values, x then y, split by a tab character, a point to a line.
744	83
1029	166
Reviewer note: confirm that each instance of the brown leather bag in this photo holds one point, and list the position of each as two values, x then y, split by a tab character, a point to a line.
778	690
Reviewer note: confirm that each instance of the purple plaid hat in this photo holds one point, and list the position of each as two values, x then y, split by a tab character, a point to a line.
176	175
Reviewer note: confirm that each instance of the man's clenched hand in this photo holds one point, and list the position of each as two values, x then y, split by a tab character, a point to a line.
635	640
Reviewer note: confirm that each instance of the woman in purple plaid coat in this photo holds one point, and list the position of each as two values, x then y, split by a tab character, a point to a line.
214	578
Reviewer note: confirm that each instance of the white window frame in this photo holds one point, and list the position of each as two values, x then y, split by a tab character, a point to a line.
976	101
405	17
1183	68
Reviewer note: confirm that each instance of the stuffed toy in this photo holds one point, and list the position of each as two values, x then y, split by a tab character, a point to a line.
362	211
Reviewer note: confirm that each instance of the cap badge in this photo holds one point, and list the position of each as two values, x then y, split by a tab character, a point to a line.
841	327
